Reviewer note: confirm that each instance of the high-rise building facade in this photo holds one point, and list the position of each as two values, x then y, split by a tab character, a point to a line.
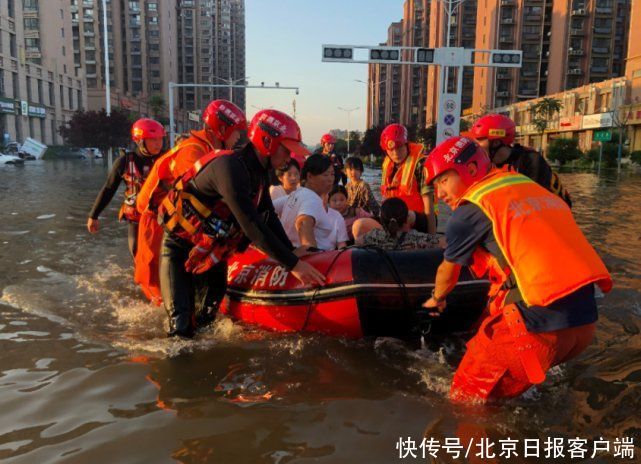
566	44
384	85
415	33
39	86
211	43
142	43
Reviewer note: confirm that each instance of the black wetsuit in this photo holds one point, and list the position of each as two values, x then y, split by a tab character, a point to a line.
235	179
109	189
530	163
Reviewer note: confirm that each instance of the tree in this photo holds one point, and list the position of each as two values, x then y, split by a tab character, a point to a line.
542	112
157	105
564	150
355	141
97	129
371	142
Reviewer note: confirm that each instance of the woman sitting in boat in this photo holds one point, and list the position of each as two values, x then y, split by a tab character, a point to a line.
289	178
306	218
338	200
395	233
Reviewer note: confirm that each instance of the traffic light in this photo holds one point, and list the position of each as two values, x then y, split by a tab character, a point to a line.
425	55
385	55
510	59
337	53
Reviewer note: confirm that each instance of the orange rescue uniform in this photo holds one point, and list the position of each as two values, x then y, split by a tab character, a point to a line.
545	257
399	181
169	167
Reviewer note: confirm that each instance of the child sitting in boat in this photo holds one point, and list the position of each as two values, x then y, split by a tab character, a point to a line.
289	178
359	193
339	202
395	233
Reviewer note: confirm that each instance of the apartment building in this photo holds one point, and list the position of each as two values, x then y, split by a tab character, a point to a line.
565	45
211	44
415	33
384	89
39	87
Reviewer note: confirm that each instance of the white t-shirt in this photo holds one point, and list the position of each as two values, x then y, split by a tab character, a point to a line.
277	191
329	228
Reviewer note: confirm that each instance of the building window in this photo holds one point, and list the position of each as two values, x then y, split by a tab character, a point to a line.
30	4
12	45
152	6
31	23
12	8
52	100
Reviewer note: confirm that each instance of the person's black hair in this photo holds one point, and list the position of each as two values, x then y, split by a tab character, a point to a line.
393	215
354	162
292	162
316	165
338	189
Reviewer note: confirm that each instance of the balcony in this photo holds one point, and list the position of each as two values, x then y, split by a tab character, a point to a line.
575	71
87	19
530	37
89	33
599	69
31	34
600	50
503	93
603	30
579	12
577	52
529	73
576	31
603	10
507	2
32	53
502	74
532	18
506	39
507	20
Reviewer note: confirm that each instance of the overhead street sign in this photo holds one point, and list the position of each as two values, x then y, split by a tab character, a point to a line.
449	115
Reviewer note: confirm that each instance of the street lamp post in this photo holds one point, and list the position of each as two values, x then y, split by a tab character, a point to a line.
348	123
230	83
371	90
105	45
172	85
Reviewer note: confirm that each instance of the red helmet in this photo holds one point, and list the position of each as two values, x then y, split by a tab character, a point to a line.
393	136
327	138
223	117
494	127
270	128
146	128
456	153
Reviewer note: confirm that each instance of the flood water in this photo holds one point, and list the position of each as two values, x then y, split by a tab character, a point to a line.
87	375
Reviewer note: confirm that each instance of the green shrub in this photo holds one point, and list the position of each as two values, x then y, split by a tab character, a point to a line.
564	150
609	154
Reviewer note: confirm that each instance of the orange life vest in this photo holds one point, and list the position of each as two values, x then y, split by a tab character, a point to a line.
211	228
170	167
133	183
402	183
547	255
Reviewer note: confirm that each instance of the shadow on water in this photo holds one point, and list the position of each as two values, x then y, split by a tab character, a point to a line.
88	375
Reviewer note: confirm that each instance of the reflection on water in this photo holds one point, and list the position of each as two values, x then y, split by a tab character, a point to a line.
88	375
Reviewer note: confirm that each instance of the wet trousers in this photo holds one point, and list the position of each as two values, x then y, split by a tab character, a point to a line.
492	367
190	300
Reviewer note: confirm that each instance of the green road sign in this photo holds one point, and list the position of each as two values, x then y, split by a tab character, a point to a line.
602	136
